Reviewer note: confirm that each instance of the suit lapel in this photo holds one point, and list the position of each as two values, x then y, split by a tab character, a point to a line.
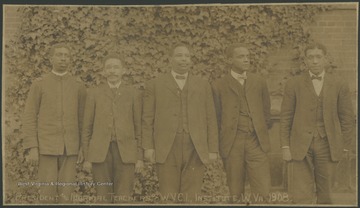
170	84
308	84
232	83
249	86
107	91
190	86
326	88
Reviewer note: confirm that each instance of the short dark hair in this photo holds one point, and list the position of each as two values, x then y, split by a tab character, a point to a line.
58	45
172	49
315	46
229	52
113	56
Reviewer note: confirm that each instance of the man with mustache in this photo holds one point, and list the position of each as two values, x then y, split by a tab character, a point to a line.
316	127
112	134
52	124
179	128
243	108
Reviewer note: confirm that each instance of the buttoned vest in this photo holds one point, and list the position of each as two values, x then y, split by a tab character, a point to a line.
320	126
244	121
183	117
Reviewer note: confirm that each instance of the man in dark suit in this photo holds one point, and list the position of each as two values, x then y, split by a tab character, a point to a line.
179	128
51	125
112	134
316	124
243	109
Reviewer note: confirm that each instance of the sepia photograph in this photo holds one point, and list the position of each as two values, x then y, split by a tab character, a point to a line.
235	104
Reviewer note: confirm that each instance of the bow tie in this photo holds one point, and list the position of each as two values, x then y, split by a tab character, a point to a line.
316	77
242	77
180	77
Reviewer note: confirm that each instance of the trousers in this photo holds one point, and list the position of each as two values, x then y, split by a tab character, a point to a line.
55	170
181	176
114	180
246	158
311	178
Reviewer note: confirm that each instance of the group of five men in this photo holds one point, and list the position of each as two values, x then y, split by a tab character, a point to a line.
182	123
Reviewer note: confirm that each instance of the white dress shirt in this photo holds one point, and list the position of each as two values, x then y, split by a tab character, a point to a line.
112	86
180	82
318	84
239	77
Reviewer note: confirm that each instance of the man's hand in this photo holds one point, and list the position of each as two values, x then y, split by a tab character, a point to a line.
286	154
80	158
87	166
139	165
149	155
33	157
213	156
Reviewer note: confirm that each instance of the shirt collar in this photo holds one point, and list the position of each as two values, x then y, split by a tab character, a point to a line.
174	74
236	75
322	74
59	74
117	85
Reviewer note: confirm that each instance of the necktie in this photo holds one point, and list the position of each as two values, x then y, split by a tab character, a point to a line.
316	77
241	78
179	77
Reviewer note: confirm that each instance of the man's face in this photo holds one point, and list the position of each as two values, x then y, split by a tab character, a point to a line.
60	59
315	60
113	70
240	60
180	60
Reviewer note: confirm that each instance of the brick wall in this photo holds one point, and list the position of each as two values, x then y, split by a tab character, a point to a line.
337	30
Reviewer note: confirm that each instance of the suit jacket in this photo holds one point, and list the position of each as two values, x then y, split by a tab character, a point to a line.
161	111
227	107
298	115
98	123
53	115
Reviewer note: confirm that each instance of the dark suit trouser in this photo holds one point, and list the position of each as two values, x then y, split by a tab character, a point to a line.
181	176
54	169
247	158
315	170
114	171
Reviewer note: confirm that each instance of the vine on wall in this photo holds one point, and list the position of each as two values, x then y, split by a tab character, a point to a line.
144	36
